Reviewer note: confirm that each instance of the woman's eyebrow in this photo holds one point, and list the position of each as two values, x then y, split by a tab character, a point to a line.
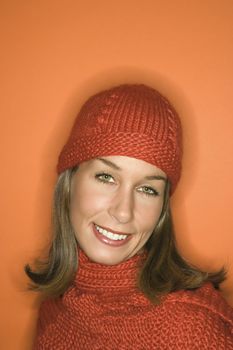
109	163
116	167
155	177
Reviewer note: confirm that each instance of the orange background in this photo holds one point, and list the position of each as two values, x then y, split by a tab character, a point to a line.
54	54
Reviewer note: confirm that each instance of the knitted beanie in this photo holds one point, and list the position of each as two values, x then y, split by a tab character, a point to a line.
127	120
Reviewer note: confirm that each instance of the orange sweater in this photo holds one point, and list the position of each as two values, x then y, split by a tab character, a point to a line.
104	310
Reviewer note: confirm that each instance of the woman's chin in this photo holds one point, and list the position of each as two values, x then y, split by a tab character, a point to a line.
105	258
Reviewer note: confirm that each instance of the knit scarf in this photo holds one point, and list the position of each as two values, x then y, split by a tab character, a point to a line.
106	278
104	310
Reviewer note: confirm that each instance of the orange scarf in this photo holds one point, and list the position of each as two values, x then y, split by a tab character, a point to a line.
104	310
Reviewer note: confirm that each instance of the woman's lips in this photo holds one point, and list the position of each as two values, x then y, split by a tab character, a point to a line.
110	241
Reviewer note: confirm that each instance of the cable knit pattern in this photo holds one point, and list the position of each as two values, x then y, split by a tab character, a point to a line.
104	310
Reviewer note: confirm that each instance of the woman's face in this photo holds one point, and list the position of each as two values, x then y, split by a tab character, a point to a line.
115	205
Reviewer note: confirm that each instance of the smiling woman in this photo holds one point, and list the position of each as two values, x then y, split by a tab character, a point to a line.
126	203
114	276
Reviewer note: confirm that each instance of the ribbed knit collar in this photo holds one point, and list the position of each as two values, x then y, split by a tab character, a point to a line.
98	277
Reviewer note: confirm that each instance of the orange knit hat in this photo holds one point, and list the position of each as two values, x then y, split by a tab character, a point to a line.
127	120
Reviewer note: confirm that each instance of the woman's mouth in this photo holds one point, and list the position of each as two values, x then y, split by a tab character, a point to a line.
110	237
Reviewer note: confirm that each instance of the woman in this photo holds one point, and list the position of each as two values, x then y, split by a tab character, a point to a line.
114	275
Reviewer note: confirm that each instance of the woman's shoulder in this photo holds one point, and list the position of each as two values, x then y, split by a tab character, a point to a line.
195	319
205	299
49	310
202	314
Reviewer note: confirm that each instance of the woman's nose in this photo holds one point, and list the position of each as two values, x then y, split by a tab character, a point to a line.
122	206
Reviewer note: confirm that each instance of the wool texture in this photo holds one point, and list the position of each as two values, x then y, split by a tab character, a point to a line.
104	310
127	120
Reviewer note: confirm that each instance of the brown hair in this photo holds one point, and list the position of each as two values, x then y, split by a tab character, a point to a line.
164	270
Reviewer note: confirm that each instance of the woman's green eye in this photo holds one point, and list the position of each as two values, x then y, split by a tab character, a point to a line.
148	191
104	177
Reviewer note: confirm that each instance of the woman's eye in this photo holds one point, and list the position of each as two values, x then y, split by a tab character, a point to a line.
148	191
103	177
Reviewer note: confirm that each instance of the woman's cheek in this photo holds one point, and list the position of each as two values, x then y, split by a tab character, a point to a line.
149	215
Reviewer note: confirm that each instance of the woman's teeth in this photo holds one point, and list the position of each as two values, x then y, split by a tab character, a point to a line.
110	235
